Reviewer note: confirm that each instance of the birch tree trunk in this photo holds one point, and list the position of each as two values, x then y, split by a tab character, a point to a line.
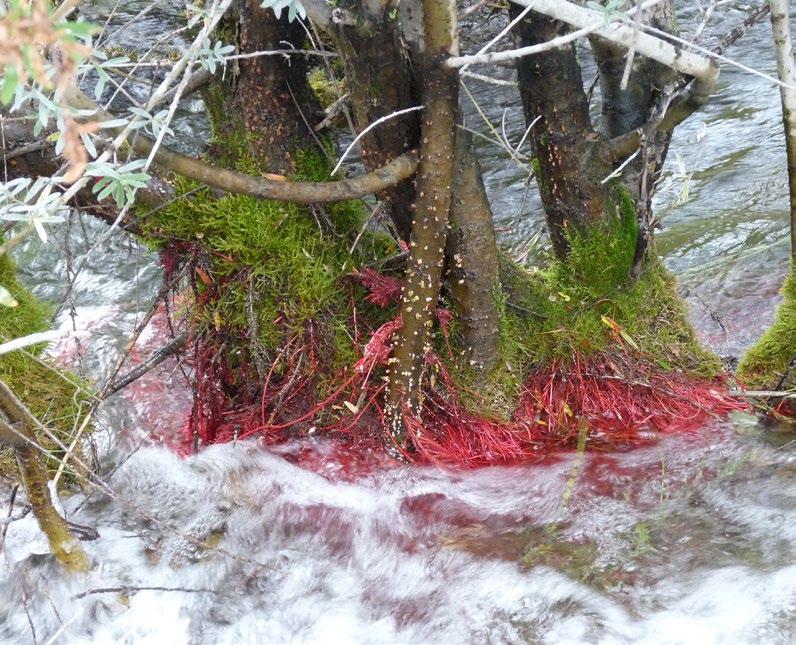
780	22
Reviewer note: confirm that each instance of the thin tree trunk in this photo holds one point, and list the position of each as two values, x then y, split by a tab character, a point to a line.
429	229
780	22
628	108
473	265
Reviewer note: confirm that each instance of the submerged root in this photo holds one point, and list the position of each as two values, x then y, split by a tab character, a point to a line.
618	399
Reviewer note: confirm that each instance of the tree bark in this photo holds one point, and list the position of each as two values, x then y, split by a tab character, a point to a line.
266	98
473	265
381	81
626	109
567	149
429	229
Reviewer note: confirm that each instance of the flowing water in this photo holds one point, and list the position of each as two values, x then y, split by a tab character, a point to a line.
690	539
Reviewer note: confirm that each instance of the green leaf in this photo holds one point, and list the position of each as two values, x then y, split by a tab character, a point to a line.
78	29
10	82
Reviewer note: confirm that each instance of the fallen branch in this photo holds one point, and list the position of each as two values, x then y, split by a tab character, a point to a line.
128	589
19	430
483	58
762	394
677	58
691	92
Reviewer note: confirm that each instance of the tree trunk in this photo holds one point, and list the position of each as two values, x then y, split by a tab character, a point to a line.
624	110
263	103
569	164
429	229
380	82
472	258
780	22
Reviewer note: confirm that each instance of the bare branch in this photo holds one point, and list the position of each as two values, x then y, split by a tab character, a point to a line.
692	95
657	49
393	173
153	361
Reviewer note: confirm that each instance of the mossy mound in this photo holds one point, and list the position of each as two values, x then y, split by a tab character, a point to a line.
325	89
57	399
285	261
768	364
588	306
272	300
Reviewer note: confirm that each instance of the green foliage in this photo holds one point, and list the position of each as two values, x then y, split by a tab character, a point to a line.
56	401
292	261
766	362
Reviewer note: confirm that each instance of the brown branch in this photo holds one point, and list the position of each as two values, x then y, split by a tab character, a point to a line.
21	426
128	589
153	361
391	174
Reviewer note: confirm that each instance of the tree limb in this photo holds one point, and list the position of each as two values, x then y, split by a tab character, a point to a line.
693	93
678	58
393	173
19	432
153	361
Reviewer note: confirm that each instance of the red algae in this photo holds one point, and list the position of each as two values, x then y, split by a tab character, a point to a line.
615	400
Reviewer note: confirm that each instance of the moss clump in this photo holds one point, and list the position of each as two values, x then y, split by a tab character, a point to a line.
587	305
326	90
56	401
765	364
284	262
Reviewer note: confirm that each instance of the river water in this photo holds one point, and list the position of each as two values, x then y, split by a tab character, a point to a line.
688	540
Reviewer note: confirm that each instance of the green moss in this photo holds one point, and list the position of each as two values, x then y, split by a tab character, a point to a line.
580	305
51	396
292	259
324	88
766	362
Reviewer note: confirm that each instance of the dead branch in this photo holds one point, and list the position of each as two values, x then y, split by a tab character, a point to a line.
393	173
155	359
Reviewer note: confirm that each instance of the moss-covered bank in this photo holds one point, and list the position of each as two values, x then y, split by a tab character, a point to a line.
769	363
55	398
272	300
588	306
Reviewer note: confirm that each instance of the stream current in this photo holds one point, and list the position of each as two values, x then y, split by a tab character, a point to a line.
688	540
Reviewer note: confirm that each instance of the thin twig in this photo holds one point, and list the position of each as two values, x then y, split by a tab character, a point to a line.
373	125
155	359
128	589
